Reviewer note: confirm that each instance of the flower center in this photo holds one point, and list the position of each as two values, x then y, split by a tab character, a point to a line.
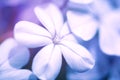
56	39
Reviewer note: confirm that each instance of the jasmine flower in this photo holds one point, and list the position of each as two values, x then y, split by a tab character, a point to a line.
57	41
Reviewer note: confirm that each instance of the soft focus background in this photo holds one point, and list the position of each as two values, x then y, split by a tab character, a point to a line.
107	66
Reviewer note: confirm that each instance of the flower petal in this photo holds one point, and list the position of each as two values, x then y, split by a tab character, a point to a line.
13	54
77	57
28	27
56	16
17	74
47	62
82	1
101	10
70	37
84	26
5	49
35	36
64	30
110	34
65	33
45	19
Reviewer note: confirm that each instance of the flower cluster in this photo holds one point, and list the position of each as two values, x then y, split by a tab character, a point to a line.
79	35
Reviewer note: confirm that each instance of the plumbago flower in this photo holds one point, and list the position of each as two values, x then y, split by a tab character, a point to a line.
107	24
57	42
13	56
106	20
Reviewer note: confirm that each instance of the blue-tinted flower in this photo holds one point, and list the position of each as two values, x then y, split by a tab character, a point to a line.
57	41
105	19
13	56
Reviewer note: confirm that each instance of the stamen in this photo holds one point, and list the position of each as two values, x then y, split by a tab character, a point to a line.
56	39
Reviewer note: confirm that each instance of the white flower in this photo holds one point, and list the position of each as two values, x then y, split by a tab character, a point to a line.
57	41
85	26
13	56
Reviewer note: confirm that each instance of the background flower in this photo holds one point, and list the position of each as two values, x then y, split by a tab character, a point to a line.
13	57
104	21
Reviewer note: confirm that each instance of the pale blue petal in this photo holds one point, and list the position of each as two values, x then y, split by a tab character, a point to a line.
110	34
45	19
5	48
17	74
31	35
82	25
64	30
77	57
13	54
70	37
47	63
56	16
101	68
100	10
65	33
